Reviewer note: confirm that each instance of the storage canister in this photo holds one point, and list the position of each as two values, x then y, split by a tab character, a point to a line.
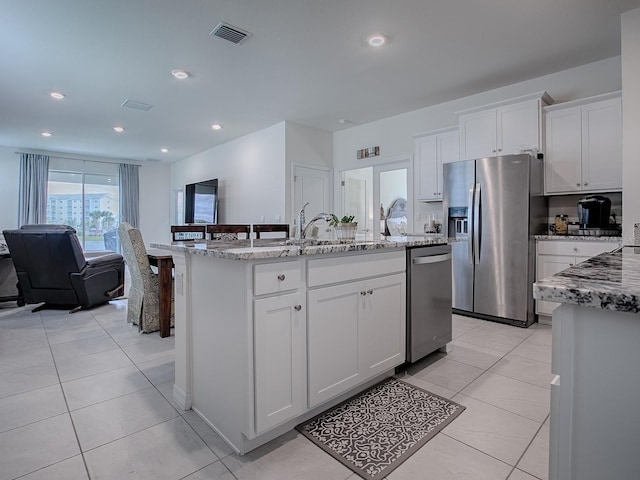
562	224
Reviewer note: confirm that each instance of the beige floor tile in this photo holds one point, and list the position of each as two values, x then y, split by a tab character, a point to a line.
430	387
535	351
166	389
18	342
492	430
474	355
29	407
103	386
151	349
74	334
524	369
215	471
159	370
24	358
289	457
536	459
515	396
520	475
493	340
116	418
66	321
210	437
450	374
461	324
23	380
37	445
72	368
70	469
79	348
444	458
168	451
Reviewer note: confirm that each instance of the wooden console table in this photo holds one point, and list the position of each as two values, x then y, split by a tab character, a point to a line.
164	262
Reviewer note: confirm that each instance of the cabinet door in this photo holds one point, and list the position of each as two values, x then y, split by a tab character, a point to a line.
279	342
518	127
448	151
382	324
548	265
425	165
562	167
478	134
333	340
602	146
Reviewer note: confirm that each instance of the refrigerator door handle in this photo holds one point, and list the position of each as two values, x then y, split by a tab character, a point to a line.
476	223
470	226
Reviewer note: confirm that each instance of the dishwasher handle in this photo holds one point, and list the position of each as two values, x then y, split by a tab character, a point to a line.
432	259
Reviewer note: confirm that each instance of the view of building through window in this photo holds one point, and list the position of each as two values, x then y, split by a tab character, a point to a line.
90	203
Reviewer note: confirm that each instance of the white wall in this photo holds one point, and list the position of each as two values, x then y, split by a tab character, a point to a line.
630	122
155	203
394	134
251	175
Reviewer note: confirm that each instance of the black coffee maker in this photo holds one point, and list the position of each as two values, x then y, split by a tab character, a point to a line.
594	211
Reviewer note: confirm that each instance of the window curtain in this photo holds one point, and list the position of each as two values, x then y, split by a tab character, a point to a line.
34	176
129	194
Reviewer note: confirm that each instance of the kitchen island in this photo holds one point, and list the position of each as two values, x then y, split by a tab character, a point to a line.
595	396
270	333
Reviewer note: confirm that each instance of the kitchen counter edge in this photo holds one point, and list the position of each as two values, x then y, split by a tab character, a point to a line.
232	252
591	238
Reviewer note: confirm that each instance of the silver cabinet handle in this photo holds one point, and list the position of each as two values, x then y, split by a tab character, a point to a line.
586	183
281	277
432	259
363	293
370	292
577	184
298	308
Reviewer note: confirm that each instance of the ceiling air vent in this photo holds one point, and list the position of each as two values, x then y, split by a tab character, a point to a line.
136	105
229	32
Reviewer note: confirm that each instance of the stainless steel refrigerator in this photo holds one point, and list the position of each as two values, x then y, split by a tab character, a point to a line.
493	207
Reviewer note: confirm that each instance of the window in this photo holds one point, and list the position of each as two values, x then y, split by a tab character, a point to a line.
89	203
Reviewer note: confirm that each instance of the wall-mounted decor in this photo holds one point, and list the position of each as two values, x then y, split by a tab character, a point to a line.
368	152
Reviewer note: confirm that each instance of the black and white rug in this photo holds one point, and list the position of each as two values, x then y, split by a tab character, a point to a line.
375	431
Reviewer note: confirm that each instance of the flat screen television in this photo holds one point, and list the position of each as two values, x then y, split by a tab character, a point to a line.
201	202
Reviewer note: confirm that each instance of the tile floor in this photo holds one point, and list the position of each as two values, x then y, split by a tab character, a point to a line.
85	396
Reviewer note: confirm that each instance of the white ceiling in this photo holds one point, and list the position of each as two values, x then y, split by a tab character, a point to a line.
306	62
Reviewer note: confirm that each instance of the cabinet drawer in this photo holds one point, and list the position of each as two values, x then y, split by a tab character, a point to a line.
326	271
574	248
276	277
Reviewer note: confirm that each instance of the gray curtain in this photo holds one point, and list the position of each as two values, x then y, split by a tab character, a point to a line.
34	175
129	194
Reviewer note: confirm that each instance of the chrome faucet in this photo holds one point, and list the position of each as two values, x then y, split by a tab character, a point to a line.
301	222
321	216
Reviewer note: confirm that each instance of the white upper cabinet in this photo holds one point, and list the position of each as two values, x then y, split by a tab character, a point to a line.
583	145
432	150
502	129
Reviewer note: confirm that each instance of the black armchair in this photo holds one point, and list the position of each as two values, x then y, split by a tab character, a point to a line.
52	268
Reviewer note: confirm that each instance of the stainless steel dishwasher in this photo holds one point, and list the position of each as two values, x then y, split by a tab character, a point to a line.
428	300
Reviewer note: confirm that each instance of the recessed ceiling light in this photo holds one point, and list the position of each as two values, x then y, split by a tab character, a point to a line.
376	40
46	134
118	129
216	126
164	150
57	95
180	74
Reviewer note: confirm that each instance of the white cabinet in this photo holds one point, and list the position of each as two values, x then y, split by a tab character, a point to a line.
279	341
356	329
503	129
554	256
432	150
583	145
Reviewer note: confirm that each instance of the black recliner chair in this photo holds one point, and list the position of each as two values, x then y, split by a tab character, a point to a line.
52	268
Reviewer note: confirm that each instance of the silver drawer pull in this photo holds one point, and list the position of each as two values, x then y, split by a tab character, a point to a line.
281	277
298	308
432	259
370	292
363	293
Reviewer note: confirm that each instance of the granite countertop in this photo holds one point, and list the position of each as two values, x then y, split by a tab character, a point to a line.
609	281
242	249
591	238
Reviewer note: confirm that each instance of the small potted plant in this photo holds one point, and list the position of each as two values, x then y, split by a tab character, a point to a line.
345	228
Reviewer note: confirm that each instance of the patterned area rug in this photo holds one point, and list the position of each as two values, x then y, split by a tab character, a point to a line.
375	431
